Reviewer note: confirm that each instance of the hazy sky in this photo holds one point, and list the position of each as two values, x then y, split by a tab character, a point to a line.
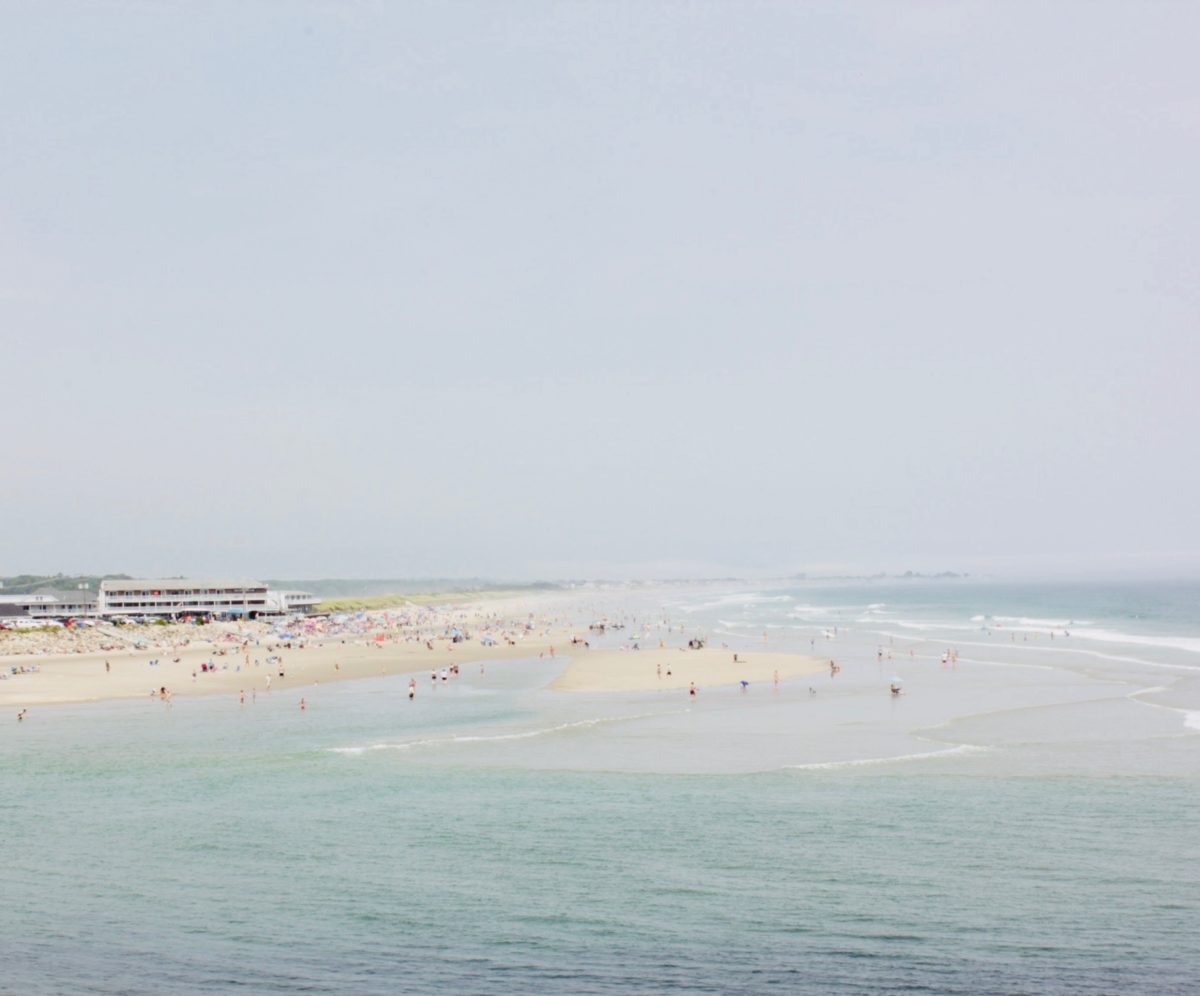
558	290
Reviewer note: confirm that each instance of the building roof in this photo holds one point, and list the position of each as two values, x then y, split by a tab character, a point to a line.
51	596
76	596
178	584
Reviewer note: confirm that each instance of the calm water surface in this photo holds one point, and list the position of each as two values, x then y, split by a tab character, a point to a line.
494	837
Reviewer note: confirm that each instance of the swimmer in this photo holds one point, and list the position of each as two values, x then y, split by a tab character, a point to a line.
302	705
692	689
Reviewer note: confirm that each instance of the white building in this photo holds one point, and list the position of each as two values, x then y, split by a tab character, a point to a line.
172	597
289	603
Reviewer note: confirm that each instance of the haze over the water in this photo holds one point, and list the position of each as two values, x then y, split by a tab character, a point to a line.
589	289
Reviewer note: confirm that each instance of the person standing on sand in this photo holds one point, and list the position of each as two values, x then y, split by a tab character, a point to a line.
107	667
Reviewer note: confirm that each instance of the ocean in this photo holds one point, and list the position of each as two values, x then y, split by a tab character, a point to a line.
1023	818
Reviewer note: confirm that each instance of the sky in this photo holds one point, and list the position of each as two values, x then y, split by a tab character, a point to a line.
545	290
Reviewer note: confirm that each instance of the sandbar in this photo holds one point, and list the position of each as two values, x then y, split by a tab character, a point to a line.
672	668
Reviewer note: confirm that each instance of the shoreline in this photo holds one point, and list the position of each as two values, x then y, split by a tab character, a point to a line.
246	659
68	668
78	681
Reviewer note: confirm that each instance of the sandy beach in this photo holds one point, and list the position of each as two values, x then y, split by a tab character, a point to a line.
252	658
259	657
672	667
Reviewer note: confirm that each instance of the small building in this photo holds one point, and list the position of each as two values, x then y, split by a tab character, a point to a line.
52	603
290	603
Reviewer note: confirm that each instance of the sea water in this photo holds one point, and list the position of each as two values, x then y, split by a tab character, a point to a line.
1023	818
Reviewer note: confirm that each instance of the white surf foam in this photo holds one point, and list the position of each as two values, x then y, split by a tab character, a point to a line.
867	761
1046	648
1189	643
750	598
1036	622
494	737
928	627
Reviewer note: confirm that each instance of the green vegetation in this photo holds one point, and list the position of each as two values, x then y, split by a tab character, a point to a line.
373	602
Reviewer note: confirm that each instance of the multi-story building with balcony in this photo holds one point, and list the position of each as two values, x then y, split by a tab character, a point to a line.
173	597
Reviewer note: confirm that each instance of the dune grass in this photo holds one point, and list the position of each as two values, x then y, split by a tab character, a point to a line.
367	603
